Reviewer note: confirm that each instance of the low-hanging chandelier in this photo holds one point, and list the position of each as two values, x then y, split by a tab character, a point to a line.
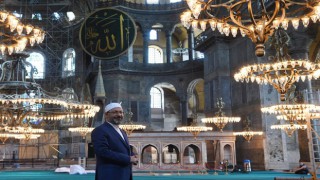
20	132
247	133
283	72
255	19
289	128
295	116
83	131
281	75
292	110
194	128
220	119
5	136
129	126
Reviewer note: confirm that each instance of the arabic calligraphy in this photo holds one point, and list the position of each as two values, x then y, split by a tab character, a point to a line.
107	33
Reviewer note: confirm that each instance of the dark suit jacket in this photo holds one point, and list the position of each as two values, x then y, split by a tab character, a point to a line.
112	153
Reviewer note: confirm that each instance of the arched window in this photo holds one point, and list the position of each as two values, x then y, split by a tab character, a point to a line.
191	154
149	155
153	34
37	61
170	154
155	55
152	1
156	98
68	63
227	153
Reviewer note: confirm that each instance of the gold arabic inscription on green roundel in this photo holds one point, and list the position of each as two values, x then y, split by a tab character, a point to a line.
107	33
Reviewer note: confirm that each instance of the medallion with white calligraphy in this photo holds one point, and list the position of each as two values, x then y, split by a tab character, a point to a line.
107	33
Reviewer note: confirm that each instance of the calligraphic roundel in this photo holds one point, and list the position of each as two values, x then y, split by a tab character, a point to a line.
107	33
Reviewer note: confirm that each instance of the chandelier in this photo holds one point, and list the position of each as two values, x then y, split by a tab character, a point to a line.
180	50
220	120
24	130
15	35
289	128
292	110
283	72
129	126
281	75
83	131
247	133
194	128
23	103
22	133
294	115
5	136
256	19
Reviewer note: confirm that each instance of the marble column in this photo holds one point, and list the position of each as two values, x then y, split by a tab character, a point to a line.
146	39
169	46
299	45
184	112
299	49
191	43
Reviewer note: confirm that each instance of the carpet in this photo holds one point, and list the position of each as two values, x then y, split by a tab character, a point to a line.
51	175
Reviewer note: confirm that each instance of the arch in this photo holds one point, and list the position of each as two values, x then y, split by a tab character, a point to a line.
149	154
170	154
155	55
160	81
164	116
156	97
38	60
134	149
175	1
191	154
152	1
227	154
153	35
196	97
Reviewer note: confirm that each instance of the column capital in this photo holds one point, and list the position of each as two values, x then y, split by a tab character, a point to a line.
169	31
299	45
146	28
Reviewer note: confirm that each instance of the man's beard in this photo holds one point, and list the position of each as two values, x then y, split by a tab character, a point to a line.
116	121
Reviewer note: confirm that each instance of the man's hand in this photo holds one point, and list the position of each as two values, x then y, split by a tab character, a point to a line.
134	159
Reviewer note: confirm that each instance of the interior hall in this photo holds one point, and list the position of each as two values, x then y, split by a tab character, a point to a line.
204	85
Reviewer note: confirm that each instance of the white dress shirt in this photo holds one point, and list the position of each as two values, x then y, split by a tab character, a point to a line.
117	129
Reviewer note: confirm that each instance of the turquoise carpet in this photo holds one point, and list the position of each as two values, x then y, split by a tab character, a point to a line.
50	175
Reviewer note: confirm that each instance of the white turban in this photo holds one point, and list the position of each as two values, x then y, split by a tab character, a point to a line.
111	106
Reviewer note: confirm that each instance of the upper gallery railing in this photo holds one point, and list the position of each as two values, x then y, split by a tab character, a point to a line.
142	6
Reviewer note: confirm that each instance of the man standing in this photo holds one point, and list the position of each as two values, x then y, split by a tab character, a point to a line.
114	158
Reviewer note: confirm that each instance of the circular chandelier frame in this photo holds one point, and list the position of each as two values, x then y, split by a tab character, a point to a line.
255	19
281	75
